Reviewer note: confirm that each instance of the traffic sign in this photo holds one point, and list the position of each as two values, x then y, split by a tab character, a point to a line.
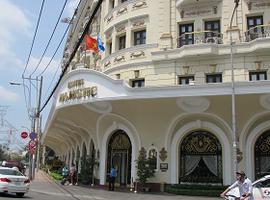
33	135
24	135
32	144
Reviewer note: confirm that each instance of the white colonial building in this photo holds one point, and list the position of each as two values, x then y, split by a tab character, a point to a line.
165	83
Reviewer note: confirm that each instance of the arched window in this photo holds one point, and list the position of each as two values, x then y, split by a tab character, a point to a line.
152	155
200	158
262	155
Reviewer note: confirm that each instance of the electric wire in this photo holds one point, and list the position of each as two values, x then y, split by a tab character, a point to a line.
61	41
49	41
52	80
27	62
34	38
73	53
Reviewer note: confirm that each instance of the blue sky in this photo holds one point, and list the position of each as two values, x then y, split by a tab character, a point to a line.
18	19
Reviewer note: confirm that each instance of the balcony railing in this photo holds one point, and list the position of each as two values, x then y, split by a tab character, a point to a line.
199	38
260	31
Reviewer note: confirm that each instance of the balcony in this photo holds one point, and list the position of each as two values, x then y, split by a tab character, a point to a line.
261	31
202	37
181	3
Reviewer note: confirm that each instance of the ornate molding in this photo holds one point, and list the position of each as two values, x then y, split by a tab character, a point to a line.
163	154
137	54
258	4
107	63
120	29
265	101
139	4
122	10
193	104
119	58
109	18
138	24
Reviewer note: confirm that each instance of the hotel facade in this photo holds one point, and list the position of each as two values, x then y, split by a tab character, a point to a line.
165	84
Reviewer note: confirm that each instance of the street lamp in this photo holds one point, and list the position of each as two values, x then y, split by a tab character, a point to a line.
235	167
29	94
35	119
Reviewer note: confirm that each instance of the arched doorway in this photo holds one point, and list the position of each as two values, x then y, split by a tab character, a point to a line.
200	158
262	155
119	156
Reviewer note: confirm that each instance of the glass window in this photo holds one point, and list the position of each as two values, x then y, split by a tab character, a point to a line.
257	76
186	36
213	28
137	83
109	47
254	28
152	156
139	37
122	42
213	78
185	80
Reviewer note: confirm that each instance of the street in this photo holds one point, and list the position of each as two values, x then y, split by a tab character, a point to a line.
43	188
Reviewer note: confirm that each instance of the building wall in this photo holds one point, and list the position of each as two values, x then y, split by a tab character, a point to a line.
161	122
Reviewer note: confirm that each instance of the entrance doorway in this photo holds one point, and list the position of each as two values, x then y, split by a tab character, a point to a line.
119	156
262	155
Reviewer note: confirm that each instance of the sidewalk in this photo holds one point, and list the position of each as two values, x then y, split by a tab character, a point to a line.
43	181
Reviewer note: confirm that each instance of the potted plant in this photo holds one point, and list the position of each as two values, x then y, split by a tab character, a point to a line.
144	169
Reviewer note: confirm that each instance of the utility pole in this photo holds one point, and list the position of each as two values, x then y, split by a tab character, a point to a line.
35	121
235	141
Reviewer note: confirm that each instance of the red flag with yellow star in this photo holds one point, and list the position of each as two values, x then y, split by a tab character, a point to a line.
90	43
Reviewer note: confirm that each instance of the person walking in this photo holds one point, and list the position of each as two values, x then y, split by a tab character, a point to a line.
72	172
244	185
113	175
65	172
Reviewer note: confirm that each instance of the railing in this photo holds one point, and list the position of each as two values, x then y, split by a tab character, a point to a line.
260	31
199	38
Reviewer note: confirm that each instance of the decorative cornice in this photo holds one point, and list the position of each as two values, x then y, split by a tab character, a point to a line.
122	10
140	23
139	5
119	58
137	54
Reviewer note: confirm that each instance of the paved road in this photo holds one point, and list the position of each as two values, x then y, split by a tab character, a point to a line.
43	188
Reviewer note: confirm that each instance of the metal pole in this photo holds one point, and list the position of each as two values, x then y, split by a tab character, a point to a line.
37	124
234	145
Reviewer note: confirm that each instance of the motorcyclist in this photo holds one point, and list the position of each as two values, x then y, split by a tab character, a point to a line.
244	185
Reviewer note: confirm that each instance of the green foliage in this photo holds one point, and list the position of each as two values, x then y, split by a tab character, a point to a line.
3	154
195	190
144	168
87	168
56	176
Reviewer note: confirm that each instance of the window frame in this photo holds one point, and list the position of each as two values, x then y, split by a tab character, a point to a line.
120	44
186	78
257	73
141	39
137	80
215	76
186	40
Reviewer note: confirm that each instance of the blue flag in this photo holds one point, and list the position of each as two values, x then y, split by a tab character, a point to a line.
100	44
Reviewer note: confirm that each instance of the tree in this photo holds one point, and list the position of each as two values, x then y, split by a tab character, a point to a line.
144	169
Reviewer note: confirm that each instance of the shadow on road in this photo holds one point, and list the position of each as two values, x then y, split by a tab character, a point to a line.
13	196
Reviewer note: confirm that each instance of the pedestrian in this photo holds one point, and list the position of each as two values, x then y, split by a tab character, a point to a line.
112	176
65	173
72	172
244	185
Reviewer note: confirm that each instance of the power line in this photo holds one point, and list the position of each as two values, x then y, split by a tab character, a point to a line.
59	46
27	62
34	38
49	41
74	52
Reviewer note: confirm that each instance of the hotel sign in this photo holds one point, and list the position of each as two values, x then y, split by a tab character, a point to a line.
77	90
